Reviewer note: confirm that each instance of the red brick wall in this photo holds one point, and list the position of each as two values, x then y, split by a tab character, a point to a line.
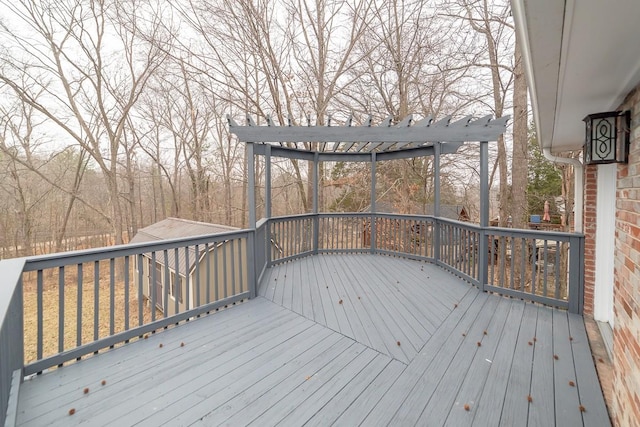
626	333
589	224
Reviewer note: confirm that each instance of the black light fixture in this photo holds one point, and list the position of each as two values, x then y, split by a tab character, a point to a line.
607	137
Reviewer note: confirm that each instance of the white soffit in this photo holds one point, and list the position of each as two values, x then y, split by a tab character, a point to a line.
583	57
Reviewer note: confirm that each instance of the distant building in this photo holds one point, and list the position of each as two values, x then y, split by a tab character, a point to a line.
182	272
457	212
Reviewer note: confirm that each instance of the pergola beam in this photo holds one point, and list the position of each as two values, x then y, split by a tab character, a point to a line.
291	153
384	137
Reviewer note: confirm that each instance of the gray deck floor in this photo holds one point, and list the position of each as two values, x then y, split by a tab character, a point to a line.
345	340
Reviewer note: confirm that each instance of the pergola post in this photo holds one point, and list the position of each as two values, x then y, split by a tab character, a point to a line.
316	185
251	191
267	182
483	250
267	201
436	201
251	241
373	202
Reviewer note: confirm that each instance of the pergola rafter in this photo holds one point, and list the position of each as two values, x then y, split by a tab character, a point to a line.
373	144
351	139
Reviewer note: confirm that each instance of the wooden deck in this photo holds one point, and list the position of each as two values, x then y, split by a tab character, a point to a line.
345	340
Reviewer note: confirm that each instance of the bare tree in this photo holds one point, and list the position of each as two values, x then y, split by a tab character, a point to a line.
87	59
490	49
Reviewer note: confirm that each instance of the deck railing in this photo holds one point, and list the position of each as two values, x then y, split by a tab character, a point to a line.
541	266
65	306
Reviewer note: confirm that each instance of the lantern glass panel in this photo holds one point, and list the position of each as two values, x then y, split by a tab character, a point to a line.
603	139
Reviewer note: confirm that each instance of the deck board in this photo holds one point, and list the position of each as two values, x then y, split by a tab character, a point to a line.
295	355
453	327
443	376
475	380
293	373
376	303
542	375
566	395
516	406
586	376
402	327
493	393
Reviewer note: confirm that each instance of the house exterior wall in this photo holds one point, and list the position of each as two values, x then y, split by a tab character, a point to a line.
626	332
589	224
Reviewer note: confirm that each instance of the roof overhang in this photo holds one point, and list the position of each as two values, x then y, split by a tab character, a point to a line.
581	57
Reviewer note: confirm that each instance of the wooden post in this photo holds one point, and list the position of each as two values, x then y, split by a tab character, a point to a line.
373	203
483	259
436	202
267	181
316	183
251	172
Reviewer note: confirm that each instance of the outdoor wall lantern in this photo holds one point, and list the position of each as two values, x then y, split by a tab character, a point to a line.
607	137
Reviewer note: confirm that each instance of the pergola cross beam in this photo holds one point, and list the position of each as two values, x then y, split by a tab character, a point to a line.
381	138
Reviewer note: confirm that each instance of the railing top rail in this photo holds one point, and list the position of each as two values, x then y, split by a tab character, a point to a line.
344	214
289	217
89	255
536	234
403	216
461	224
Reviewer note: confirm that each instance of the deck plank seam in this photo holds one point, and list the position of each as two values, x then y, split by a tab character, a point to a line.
399	309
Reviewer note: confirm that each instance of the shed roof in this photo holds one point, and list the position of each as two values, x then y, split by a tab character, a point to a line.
457	212
171	228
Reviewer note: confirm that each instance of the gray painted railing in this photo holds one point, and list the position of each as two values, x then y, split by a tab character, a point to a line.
89	300
96	299
292	237
339	232
539	266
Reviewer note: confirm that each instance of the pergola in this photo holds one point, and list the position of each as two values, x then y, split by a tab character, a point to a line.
368	143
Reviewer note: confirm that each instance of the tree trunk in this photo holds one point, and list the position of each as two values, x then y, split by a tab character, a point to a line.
520	161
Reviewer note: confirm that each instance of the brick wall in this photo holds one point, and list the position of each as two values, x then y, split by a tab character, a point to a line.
589	224
626	333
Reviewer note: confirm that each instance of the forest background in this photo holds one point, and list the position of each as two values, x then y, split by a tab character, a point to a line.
113	112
